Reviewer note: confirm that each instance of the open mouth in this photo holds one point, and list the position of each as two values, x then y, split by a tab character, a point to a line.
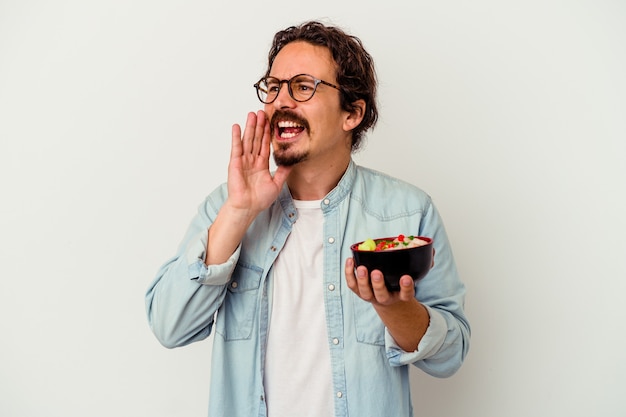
288	129
287	125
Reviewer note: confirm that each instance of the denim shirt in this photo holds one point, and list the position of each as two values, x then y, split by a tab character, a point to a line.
370	374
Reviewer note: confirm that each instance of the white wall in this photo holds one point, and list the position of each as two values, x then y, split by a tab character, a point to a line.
115	122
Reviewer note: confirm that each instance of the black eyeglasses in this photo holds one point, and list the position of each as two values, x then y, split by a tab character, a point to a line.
301	87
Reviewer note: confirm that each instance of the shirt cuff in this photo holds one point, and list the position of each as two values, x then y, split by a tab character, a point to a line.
208	275
429	345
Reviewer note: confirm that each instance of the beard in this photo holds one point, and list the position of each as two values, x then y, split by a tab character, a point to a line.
282	154
282	157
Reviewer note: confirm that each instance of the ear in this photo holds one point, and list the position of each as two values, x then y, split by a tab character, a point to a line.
355	116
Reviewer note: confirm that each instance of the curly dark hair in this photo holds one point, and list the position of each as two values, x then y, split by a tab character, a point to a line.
356	74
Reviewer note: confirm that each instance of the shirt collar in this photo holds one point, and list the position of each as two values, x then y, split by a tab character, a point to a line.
330	201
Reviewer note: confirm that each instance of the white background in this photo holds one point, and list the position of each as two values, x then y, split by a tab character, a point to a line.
115	122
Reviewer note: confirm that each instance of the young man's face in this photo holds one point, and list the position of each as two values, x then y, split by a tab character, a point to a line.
314	130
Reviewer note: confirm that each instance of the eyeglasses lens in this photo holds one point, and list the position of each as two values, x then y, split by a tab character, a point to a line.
301	88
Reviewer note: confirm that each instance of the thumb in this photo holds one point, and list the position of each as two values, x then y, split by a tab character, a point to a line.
280	175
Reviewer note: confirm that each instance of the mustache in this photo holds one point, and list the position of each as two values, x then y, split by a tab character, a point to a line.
289	116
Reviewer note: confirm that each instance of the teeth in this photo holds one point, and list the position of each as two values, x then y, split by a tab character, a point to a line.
287	123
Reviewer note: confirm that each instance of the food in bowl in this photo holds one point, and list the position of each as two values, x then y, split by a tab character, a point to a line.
399	242
395	256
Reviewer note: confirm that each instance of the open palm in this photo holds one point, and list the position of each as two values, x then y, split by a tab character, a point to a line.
251	186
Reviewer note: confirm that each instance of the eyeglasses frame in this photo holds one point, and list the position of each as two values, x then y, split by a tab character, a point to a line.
288	82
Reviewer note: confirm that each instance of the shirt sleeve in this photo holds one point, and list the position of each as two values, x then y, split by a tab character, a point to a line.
212	274
183	298
431	342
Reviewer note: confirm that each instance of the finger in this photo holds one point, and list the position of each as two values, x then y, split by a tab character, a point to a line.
381	293
266	138
407	289
259	133
363	284
235	146
350	278
248	133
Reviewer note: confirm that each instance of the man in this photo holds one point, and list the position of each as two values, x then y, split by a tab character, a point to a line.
298	332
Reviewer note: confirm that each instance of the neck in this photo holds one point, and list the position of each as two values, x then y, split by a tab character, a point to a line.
313	183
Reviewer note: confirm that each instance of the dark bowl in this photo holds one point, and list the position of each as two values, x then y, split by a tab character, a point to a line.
415	262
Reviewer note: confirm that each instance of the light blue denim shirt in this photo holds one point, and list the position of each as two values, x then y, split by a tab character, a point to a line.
369	371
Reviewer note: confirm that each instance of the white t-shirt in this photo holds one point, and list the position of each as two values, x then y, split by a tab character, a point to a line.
297	376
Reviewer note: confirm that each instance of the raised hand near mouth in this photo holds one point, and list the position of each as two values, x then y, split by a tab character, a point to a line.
251	187
250	183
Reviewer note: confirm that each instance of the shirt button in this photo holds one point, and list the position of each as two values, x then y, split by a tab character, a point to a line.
273	248
234	284
339	394
331	287
335	341
331	240
326	201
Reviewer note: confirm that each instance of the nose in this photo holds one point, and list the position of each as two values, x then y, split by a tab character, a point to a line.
284	99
